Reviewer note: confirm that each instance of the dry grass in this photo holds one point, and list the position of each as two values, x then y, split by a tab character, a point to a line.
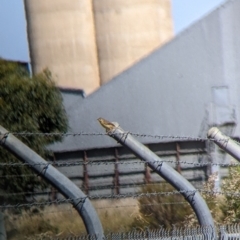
63	220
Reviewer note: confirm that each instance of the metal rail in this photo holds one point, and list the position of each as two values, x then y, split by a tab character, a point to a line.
224	142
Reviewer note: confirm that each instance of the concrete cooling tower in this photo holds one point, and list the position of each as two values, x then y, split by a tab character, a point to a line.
85	43
127	30
61	37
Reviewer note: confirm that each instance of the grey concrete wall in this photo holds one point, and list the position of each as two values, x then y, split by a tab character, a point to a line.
167	92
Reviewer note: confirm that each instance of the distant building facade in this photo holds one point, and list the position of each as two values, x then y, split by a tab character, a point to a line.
174	94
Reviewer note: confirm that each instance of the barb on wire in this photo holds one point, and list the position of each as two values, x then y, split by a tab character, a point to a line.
44	169
3	138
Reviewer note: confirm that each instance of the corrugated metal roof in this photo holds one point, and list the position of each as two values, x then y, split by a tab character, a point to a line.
167	92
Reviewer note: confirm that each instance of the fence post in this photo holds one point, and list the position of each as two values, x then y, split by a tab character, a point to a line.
76	197
224	142
167	172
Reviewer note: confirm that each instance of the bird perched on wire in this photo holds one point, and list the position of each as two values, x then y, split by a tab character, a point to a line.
109	126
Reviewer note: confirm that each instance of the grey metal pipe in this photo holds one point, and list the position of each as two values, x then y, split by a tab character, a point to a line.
80	201
225	142
168	173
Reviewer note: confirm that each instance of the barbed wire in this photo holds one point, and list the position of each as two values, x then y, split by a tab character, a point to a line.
130	162
18	175
71	209
125	206
148	204
122	206
40	203
143	204
141	135
90	188
119	196
34	193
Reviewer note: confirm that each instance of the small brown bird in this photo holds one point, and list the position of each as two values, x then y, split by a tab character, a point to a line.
109	126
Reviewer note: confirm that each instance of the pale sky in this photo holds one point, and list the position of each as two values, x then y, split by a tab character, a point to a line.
13	38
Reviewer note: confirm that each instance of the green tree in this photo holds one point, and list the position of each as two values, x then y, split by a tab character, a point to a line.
27	104
224	207
231	204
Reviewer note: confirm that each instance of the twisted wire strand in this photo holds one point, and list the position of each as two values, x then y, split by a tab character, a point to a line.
91	188
134	205
130	162
71	209
119	196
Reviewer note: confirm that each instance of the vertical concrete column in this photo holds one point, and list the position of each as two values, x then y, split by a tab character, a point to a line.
126	31
62	37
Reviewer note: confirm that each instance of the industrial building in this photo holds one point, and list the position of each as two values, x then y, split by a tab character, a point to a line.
178	92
